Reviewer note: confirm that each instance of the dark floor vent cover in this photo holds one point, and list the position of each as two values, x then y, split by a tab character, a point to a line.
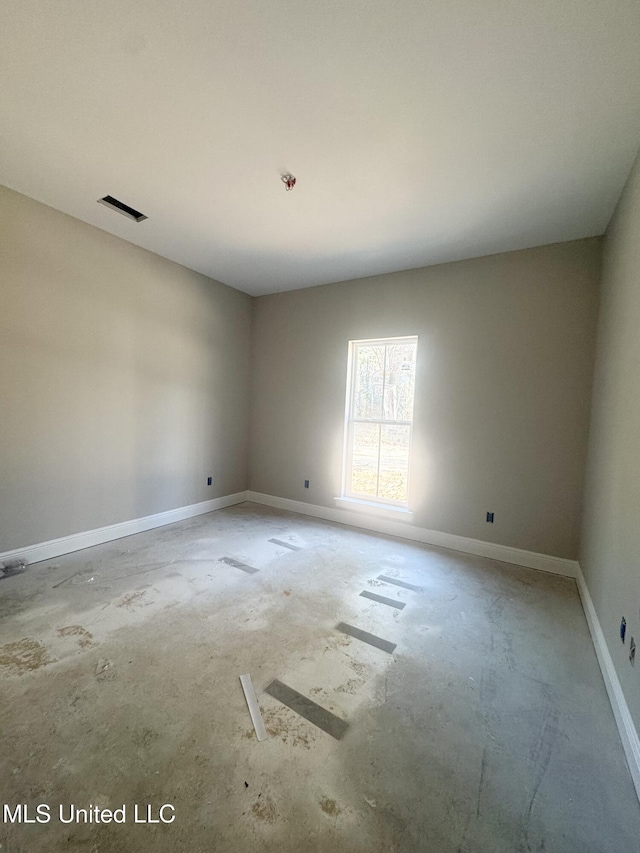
121	207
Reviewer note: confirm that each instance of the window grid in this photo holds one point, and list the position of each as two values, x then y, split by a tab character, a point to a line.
354	390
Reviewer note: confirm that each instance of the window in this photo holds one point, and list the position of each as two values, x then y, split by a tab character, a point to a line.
379	416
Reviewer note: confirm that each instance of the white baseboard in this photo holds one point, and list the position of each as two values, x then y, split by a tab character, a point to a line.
88	538
624	720
504	553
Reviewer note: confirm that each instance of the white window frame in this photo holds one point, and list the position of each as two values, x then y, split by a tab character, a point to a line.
351	500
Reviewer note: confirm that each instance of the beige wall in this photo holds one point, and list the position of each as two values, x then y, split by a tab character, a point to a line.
505	363
610	555
124	379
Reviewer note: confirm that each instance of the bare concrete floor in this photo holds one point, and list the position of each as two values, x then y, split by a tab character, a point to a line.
488	730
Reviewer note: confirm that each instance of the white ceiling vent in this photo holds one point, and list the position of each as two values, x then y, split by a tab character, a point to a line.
121	207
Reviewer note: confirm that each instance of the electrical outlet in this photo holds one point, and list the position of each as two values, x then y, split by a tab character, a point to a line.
306	484
490	518
209	481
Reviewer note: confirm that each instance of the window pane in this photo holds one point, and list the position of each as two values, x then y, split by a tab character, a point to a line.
394	462
382	381
399	381
364	460
369	378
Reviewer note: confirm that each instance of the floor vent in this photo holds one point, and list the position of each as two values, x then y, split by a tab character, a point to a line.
120	207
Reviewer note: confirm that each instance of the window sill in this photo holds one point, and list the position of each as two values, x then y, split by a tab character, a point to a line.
395	513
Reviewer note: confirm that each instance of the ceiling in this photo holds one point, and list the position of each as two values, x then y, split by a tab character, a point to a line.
420	131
